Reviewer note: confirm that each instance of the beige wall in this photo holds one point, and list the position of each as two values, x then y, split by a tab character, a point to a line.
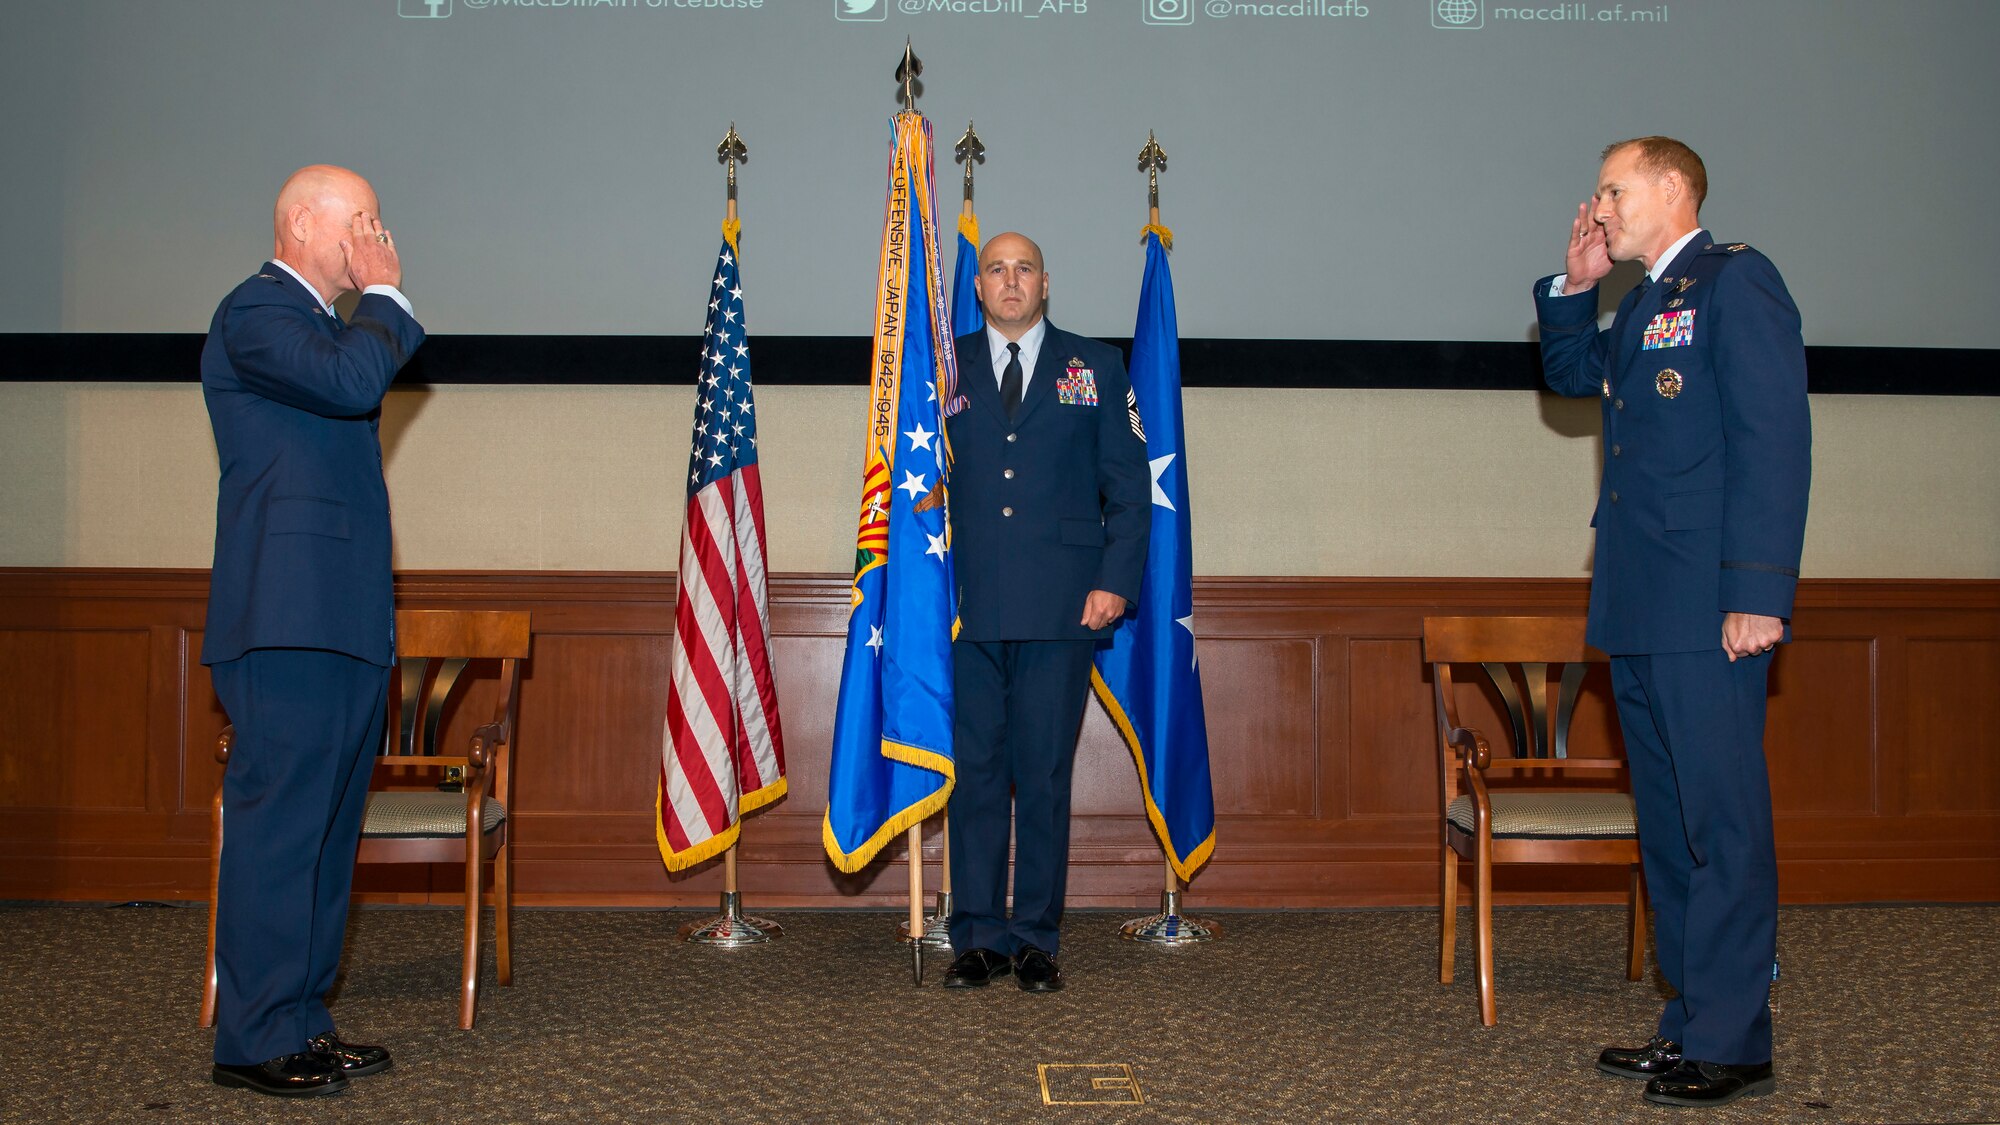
1375	482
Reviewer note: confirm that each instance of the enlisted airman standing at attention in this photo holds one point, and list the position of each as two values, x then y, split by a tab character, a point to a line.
1051	506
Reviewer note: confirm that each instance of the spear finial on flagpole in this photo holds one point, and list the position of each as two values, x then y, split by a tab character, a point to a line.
968	151
1153	161
729	152
906	76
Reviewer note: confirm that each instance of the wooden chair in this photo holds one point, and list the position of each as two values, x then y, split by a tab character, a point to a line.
457	810
1522	657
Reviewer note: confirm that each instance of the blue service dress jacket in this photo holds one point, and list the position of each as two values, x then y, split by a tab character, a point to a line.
302	544
1050	506
1701	510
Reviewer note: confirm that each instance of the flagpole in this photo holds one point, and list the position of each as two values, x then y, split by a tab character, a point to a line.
1169	926
968	150
731	928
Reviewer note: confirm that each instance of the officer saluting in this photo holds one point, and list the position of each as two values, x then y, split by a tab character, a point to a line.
1700	520
1050	508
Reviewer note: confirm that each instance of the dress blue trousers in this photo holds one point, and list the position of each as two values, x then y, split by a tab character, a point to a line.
1019	707
1694	736
308	726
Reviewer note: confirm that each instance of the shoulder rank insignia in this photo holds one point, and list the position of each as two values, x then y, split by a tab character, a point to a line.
265	277
1669	383
1607	388
1739	246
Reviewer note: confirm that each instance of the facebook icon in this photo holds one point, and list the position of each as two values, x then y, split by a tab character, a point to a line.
423	9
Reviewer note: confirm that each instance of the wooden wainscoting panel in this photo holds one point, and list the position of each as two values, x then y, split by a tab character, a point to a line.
1262	727
1818	735
1883	744
807	671
1954	725
592	714
74	704
1392	754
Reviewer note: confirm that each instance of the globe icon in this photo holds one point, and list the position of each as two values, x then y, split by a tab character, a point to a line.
1457	12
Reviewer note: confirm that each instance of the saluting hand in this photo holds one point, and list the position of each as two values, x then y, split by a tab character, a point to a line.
370	253
1588	259
1101	608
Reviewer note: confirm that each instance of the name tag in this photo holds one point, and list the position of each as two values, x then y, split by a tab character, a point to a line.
1669	330
1077	386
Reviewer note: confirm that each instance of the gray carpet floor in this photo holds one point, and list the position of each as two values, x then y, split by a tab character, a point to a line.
1886	1014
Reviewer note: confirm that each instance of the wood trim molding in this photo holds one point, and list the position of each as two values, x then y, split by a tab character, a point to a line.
1885	765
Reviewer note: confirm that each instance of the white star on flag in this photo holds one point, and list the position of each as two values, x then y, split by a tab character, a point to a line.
912	484
920	438
875	638
1160	494
1188	624
937	546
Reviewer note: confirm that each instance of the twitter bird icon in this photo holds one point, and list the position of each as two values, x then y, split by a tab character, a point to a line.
861	9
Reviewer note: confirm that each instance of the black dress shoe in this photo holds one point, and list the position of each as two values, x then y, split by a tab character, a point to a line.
1657	1057
1037	971
304	1075
356	1060
976	968
1705	1083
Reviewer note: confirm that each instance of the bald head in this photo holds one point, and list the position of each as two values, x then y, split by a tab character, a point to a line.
1013	287
314	214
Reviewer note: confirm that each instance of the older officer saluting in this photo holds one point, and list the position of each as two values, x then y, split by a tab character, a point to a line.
1051	504
300	623
1700	519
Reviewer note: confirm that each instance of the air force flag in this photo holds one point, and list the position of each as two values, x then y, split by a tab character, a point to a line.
1147	677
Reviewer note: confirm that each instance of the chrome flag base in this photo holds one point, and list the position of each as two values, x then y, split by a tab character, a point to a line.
1170	926
731	929
937	934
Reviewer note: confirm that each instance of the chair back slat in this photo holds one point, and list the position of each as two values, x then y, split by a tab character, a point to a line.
1572	686
1503	682
409	682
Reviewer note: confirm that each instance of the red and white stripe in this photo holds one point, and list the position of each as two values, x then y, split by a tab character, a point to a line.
724	753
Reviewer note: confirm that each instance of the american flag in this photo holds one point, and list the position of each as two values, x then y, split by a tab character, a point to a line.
723	754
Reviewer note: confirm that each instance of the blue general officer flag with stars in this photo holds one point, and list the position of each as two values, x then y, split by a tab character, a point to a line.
1147	676
892	732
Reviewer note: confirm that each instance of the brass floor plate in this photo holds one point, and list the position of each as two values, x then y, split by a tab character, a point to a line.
1089	1084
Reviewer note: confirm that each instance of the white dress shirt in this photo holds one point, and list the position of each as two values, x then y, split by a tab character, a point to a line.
388	291
1031	348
